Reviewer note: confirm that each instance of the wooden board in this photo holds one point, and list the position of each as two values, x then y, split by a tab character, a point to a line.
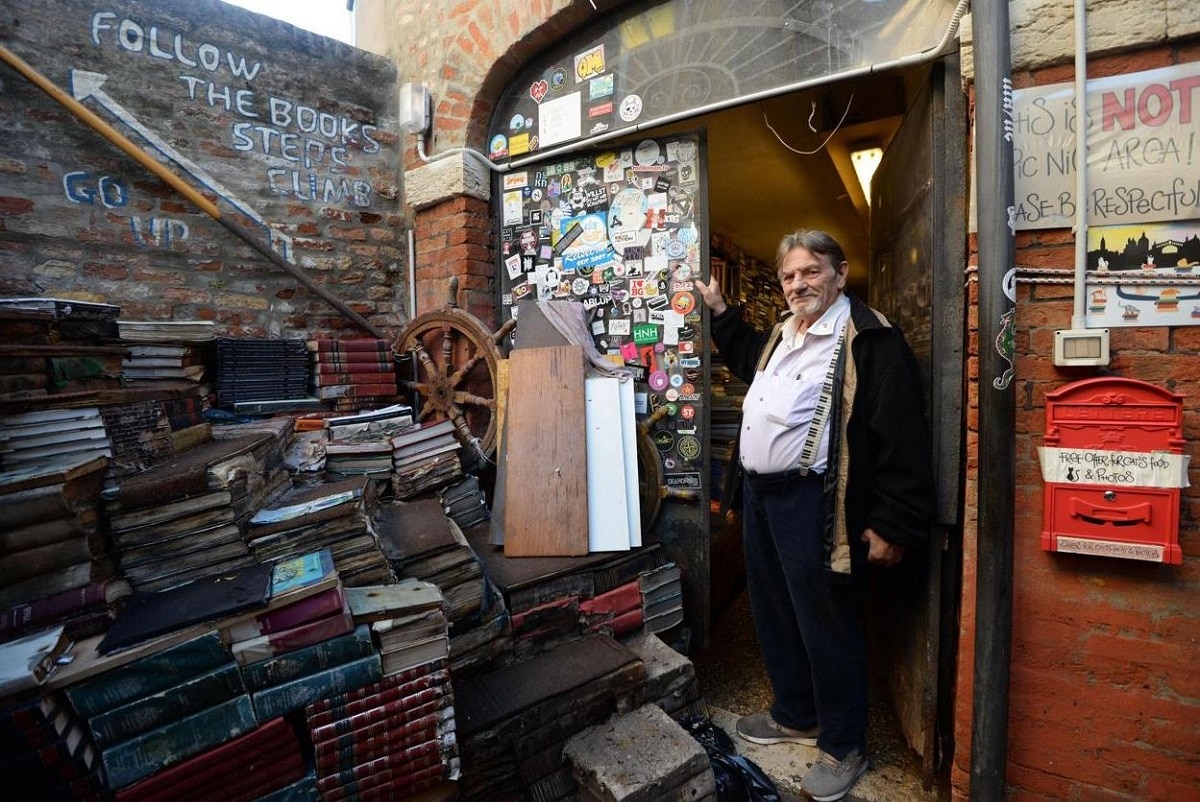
545	483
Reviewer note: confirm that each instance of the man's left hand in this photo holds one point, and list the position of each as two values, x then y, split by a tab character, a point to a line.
881	552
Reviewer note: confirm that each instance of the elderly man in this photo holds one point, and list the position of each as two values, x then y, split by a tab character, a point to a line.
835	457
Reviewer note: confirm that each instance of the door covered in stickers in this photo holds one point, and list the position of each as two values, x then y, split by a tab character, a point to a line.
622	232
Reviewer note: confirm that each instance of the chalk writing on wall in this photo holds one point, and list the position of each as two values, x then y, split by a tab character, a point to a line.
83	187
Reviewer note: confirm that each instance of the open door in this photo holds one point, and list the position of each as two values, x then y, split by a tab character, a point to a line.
623	232
918	250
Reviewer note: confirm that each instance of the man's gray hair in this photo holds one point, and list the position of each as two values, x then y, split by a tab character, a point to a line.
813	241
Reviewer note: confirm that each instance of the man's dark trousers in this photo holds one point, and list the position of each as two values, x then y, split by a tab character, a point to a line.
808	626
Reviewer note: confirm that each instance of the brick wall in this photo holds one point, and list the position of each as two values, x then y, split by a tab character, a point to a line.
279	124
1104	688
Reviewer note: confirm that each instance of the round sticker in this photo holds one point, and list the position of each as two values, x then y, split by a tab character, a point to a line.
517	122
689	445
672	394
668	463
658	381
631	108
687	412
579	286
672	410
682	272
664	441
683	302
688	388
647	152
676	381
676	249
498	146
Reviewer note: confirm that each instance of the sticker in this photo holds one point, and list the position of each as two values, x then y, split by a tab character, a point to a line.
631	108
618	327
687	388
579	286
558	79
676	381
676	249
668	463
687	412
690	362
589	64
538	91
520	143
689	445
664	441
641	402
685	346
657	380
671	394
646	334
498	147
687	481
683	302
647	152
600	86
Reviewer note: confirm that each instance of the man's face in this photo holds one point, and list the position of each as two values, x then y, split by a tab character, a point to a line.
528	241
810	283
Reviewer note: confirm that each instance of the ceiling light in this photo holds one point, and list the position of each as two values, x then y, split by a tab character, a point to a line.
865	159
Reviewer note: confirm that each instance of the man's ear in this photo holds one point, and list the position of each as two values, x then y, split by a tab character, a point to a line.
843	273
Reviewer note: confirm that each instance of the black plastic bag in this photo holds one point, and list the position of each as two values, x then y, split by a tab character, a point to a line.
739	779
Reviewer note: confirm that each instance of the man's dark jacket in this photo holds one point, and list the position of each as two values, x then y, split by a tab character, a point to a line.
880	473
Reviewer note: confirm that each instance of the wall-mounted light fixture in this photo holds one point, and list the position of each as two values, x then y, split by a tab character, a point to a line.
865	159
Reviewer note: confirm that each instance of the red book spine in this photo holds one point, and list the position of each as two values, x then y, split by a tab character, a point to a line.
423	711
342	366
378	740
357	707
388	785
616	601
321	605
364	719
287	640
337	704
244	779
355	390
627	622
398	764
322	344
52	608
352	357
272	738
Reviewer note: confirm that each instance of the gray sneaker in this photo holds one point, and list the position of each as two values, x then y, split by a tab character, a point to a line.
830	779
761	728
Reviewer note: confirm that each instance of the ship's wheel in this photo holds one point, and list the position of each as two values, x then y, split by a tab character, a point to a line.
455	370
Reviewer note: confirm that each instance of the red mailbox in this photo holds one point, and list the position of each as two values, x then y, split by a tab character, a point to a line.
1114	465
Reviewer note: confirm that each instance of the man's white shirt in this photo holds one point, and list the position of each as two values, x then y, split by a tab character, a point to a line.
782	399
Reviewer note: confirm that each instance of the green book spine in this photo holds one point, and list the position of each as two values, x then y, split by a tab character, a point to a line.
309	660
124	722
148	675
139	757
282	699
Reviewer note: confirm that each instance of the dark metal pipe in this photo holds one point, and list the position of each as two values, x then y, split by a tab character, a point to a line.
997	256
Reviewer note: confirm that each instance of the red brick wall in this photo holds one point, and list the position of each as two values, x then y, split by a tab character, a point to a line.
1105	691
454	238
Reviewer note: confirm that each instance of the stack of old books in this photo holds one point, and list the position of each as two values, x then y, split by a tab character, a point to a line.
395	737
48	753
285	650
51	435
164	707
254	369
184	518
422	543
514	721
358	371
332	515
148	363
51	349
266	761
53	560
408	622
465	502
425	458
166	331
662	598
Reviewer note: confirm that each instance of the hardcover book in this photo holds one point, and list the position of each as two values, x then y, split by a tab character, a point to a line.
320	605
148	675
287	640
131	760
149	712
412	686
309	660
278	700
148	614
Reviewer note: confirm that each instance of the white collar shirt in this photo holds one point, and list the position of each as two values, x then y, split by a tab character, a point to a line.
782	399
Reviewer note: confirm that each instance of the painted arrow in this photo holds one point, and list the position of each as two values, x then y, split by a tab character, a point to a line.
86	85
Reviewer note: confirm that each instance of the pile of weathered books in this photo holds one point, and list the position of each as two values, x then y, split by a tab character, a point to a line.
250	369
54	565
357	371
57	348
425	458
331	515
48	753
